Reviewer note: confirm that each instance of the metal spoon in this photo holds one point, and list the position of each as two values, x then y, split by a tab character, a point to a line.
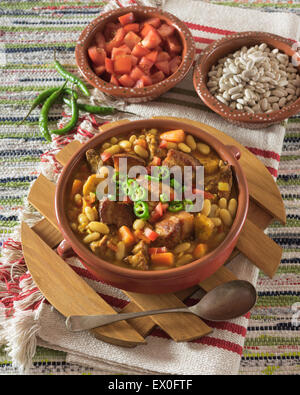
226	301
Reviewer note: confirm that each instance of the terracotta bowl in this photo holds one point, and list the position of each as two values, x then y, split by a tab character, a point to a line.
162	281
227	45
134	95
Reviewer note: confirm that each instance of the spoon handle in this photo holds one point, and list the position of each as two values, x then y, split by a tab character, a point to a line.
77	323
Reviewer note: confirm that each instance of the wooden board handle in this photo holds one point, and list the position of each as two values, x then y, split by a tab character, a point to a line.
68	292
259	248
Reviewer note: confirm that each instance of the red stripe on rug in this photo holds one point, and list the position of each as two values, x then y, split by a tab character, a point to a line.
264	153
206	340
209	29
203	40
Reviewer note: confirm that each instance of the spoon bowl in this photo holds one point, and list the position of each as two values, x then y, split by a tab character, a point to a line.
227	301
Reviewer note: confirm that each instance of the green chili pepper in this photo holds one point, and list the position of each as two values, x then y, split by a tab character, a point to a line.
43	120
175	206
175	184
161	172
128	186
134	190
73	121
164	198
42	97
138	193
91	109
99	110
188	204
141	209
71	77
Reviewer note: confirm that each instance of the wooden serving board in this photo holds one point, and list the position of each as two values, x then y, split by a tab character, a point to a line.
265	205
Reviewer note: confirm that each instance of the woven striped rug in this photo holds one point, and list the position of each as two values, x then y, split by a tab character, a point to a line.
29	32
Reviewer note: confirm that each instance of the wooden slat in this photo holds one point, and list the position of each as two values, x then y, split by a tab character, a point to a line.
222	275
265	253
68	292
180	326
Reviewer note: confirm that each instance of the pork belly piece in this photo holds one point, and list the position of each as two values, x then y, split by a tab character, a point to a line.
116	213
174	228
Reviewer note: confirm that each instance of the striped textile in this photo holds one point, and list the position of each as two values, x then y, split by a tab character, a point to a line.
29	32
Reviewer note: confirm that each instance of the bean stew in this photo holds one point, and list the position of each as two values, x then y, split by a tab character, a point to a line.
128	227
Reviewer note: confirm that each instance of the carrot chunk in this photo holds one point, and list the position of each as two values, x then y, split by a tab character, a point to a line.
200	250
175	136
126	235
162	259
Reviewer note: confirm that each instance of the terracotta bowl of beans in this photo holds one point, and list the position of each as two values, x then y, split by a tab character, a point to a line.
148	235
135	53
251	78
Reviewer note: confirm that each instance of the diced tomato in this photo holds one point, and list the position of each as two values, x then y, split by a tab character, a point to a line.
132	27
207	195
99	69
157	77
155	22
150	234
146	80
152	40
134	60
158	212
152	56
110	30
114	80
116	41
156	161
125	80
136	73
141	142
174	64
163	66
145	64
131	39
109	65
105	156
97	55
123	64
146	29
163	144
127	18
166	30
173	44
157	250
163	56
140	51
123	50
100	40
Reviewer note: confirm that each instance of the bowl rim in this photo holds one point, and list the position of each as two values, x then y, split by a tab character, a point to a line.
119	91
88	256
199	81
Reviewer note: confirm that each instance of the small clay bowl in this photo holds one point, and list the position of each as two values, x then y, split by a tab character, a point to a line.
162	281
227	45
134	95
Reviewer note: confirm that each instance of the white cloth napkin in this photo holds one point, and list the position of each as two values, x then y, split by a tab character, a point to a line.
220	352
